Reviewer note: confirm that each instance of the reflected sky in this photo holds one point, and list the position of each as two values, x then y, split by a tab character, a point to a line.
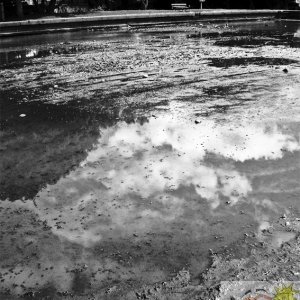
143	176
149	187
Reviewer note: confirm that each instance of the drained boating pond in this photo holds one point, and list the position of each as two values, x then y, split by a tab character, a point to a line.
131	162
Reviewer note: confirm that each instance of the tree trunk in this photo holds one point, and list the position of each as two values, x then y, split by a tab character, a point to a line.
36	6
43	6
51	6
19	8
145	4
124	4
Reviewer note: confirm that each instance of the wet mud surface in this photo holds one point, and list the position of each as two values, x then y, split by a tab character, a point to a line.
150	164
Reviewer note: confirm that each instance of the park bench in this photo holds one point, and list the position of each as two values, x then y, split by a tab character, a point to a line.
180	6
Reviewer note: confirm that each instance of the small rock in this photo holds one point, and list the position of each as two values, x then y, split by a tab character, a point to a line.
111	290
295	273
285	70
197	121
22	115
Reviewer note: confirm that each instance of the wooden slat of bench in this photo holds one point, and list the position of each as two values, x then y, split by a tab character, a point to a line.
179	6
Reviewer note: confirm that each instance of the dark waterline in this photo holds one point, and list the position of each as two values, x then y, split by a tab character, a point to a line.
22	48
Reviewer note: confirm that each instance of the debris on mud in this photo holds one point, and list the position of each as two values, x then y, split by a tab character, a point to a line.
264	264
149	164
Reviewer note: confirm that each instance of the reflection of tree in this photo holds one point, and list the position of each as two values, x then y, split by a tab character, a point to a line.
250	4
145	4
43	146
19	8
42	7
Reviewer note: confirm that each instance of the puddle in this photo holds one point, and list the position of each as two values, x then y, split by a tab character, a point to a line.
136	192
251	34
274	36
65	37
255	35
12	58
272	33
281	237
56	137
245	61
14	52
250	42
223	90
22	55
107	194
274	238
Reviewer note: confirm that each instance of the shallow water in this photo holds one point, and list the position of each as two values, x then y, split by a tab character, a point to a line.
239	34
93	201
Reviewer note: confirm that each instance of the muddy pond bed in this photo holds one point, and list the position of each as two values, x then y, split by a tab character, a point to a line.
153	163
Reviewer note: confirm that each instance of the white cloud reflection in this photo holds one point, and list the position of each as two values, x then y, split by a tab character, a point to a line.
164	154
142	182
143	176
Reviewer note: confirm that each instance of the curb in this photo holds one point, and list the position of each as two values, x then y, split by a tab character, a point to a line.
39	26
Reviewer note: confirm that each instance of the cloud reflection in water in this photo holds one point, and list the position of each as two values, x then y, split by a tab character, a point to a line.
159	185
164	154
136	175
